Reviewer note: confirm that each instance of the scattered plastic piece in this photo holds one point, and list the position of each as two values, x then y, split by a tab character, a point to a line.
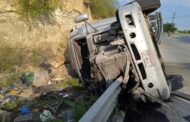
31	117
13	92
65	95
24	110
27	78
46	115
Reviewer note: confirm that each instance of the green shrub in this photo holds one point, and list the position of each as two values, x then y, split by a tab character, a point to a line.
30	9
184	31
80	106
170	27
12	104
73	82
103	8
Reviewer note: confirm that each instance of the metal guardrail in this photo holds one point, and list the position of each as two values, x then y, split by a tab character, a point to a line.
181	95
101	110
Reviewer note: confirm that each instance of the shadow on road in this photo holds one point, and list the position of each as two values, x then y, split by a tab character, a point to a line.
184	39
138	111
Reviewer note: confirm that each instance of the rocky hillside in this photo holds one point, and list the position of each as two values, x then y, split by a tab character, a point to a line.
25	44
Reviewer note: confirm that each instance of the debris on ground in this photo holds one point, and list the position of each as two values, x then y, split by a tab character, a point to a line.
41	77
31	117
46	115
38	96
6	116
66	116
24	110
47	106
27	78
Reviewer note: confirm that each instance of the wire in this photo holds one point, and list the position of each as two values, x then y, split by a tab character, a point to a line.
180	17
187	15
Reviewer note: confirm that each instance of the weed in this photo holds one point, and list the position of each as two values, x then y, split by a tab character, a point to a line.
12	77
12	104
3	84
102	8
9	57
55	120
74	82
33	9
71	83
80	106
36	57
9	79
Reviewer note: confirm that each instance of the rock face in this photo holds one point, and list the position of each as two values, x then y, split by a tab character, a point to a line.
14	29
49	37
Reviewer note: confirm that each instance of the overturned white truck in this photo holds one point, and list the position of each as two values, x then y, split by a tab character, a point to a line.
125	45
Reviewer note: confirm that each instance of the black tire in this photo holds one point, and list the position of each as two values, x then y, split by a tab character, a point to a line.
149	6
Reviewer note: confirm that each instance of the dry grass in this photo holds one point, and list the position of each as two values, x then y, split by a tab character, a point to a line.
24	45
34	9
16	59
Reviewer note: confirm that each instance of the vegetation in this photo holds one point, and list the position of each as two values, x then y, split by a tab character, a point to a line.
36	57
12	57
170	27
103	8
73	82
32	9
55	120
15	60
12	104
184	31
9	58
80	106
12	77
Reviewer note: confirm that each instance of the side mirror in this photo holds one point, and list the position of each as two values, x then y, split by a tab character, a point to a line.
81	18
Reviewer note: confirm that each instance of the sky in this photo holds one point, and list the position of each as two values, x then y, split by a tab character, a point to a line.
181	8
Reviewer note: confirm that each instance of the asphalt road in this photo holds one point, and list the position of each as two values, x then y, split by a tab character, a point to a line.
182	108
175	51
176	54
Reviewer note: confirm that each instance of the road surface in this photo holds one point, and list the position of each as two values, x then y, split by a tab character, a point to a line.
175	51
176	54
